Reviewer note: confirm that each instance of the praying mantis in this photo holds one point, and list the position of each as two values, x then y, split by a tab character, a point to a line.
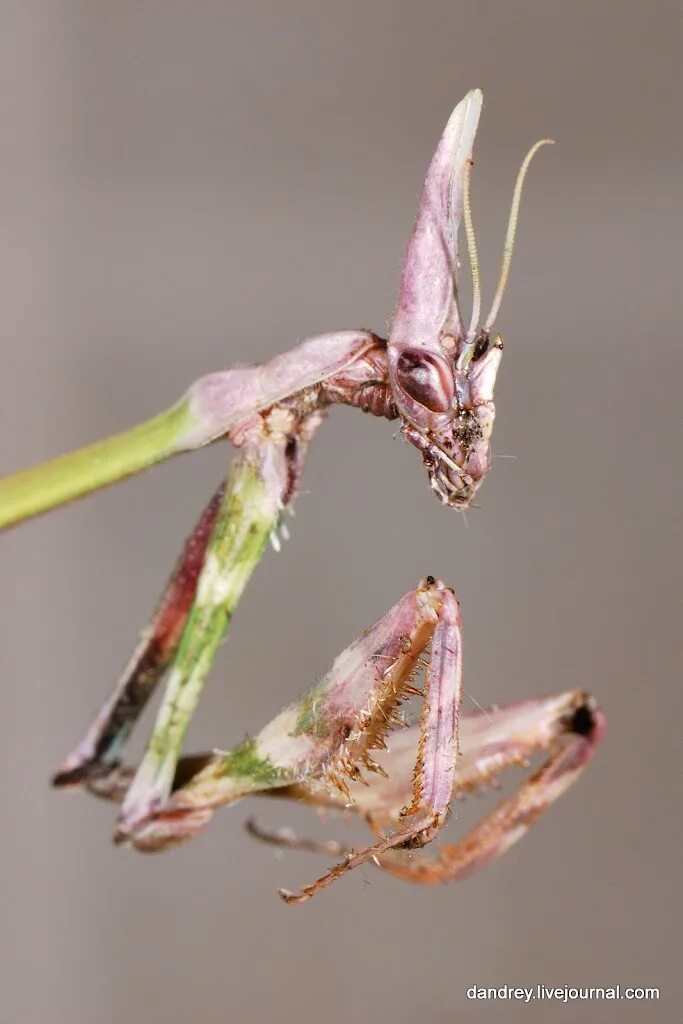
329	749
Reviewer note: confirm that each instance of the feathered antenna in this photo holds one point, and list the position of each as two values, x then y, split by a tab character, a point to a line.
510	234
472	252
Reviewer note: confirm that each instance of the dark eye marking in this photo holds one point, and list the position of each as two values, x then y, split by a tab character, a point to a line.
426	378
481	346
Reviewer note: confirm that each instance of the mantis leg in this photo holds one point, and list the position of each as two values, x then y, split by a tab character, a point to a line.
321	751
286	840
436	753
578	730
261	484
568	728
329	734
98	752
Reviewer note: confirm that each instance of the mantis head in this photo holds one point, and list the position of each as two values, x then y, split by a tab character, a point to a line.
443	376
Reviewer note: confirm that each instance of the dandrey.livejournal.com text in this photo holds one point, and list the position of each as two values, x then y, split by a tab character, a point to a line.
562	993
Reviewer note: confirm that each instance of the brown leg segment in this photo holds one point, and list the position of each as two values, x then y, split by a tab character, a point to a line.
511	820
96	756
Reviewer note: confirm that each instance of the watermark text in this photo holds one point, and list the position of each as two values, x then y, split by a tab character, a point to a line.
562	993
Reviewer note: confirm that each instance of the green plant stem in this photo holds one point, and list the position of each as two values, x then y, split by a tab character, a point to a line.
42	487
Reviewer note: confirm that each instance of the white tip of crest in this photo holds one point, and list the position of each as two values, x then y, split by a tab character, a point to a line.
511	230
459	140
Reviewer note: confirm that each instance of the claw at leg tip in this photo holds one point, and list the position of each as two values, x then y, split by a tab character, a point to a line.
290	897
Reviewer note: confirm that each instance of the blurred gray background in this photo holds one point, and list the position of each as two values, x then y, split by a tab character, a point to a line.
184	185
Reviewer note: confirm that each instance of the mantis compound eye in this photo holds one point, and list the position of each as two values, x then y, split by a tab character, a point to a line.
426	378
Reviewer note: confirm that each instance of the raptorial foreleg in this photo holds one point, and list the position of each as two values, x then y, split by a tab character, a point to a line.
567	728
329	736
436	752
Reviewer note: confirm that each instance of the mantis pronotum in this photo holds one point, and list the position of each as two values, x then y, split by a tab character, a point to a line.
437	376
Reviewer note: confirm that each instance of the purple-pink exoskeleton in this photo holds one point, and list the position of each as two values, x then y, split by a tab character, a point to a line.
332	748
